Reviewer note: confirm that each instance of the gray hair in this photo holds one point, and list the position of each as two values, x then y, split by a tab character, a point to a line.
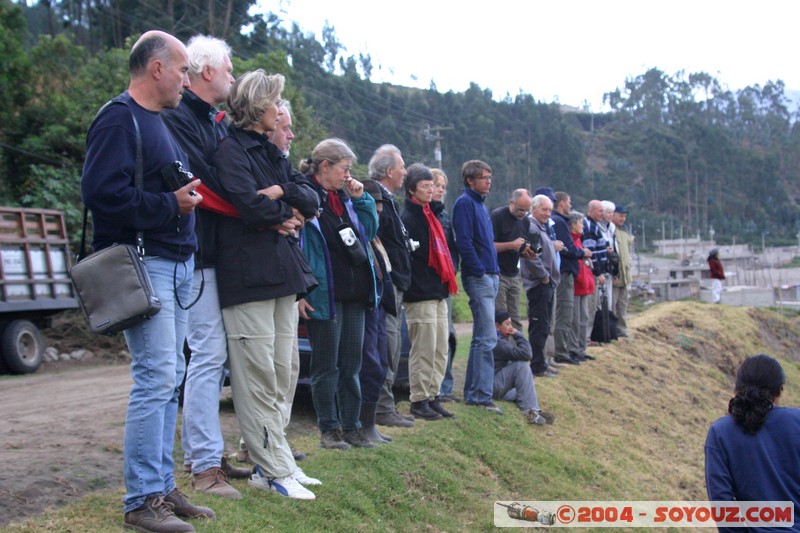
518	193
252	94
205	51
574	216
608	207
536	203
382	160
332	150
146	49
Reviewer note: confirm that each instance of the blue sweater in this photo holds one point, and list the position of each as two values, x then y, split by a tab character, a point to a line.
107	189
760	467
474	235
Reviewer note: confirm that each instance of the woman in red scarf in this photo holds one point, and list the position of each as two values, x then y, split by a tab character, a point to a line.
584	288
432	280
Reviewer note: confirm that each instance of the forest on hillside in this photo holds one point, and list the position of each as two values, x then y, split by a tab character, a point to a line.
686	155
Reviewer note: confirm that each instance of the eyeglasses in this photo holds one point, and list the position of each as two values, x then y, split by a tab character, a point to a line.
346	168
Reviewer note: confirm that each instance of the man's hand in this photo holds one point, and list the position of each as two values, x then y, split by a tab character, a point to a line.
558	245
587	253
188	198
601	280
528	253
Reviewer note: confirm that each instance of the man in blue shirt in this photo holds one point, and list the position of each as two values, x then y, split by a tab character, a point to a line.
480	275
159	65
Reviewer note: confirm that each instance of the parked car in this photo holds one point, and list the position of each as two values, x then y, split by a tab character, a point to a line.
401	379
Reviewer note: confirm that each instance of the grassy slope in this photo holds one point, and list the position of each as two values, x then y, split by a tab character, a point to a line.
631	426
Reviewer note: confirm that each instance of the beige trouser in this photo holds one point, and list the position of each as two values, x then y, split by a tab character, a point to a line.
295	372
427	362
260	337
621	308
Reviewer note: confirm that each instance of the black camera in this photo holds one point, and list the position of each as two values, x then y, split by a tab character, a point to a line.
534	240
175	176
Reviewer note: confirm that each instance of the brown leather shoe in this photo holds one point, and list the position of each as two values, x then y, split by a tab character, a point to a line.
183	508
234	472
157	516
214	481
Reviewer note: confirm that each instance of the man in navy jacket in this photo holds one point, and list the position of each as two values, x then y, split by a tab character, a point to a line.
158	68
480	275
565	329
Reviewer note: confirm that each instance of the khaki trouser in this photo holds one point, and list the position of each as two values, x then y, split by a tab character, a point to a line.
621	308
508	295
428	331
295	371
260	337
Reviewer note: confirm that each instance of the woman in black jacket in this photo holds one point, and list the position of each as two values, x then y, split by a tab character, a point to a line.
432	280
261	271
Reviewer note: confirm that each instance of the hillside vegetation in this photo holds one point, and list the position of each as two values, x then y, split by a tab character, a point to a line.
684	152
630	426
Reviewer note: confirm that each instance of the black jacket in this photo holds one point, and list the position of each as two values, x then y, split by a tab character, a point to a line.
426	284
513	348
194	126
570	254
443	215
256	263
393	237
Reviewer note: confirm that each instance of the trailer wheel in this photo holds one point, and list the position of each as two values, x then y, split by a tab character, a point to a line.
22	347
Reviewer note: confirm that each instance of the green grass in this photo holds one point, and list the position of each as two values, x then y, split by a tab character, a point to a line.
461	312
630	426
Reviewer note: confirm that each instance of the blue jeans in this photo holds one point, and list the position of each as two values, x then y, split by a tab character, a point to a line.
157	369
479	381
201	435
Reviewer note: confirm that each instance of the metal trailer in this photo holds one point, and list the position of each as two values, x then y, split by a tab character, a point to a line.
34	283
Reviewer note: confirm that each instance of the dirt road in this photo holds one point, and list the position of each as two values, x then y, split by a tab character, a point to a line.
61	437
62	429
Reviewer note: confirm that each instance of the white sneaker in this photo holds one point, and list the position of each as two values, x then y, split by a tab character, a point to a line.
303	479
286	486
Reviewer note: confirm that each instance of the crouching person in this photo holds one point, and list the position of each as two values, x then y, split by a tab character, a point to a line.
513	379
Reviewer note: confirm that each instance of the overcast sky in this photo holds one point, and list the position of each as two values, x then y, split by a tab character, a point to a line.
572	51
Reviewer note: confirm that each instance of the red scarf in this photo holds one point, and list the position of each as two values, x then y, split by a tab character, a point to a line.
438	253
334	202
212	202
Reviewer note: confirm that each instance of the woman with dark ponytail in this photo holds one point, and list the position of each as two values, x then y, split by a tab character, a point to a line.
754	453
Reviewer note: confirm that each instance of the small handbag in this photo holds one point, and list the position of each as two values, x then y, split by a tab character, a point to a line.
113	285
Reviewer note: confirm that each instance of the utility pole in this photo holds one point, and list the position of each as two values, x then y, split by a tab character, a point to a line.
433	134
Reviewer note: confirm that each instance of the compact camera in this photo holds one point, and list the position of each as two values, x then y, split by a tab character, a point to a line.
175	176
412	245
534	240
